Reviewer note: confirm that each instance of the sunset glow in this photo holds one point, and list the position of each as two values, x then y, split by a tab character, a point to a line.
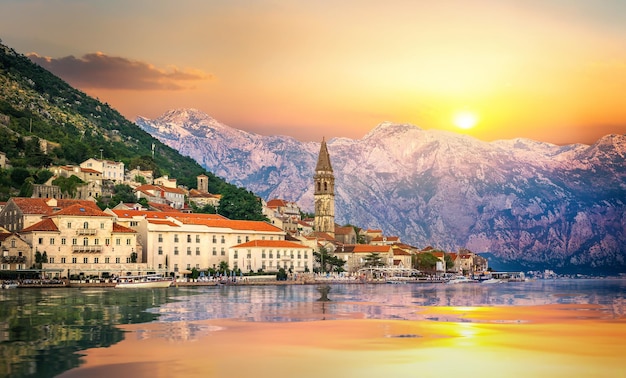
547	70
465	120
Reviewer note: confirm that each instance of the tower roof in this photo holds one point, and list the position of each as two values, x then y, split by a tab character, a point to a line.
323	161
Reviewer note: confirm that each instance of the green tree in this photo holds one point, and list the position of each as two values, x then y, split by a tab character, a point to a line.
133	257
327	261
19	176
68	185
425	261
449	261
223	267
373	260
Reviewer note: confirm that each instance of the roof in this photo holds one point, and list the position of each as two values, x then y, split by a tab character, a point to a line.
270	244
276	203
323	160
367	248
163	222
69	202
45	225
120	228
80	210
32	205
161	207
339	230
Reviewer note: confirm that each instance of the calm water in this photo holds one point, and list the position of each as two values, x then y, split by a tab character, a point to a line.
43	331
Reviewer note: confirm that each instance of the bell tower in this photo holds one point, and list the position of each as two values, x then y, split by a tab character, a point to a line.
324	193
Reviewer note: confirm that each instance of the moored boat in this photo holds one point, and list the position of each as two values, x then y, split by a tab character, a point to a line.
460	280
145	281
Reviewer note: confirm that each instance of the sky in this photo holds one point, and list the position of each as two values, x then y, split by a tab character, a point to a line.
549	70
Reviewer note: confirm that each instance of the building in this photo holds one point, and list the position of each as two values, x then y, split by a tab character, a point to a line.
355	255
16	253
137	177
324	193
85	241
172	196
271	255
21	212
178	242
111	170
283	214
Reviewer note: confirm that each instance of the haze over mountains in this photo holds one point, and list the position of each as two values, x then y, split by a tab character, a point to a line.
527	202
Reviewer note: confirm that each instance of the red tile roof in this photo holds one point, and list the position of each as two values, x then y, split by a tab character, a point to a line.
120	228
69	202
45	225
165	222
366	248
32	205
80	210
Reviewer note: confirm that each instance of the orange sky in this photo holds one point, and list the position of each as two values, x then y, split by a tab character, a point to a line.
551	70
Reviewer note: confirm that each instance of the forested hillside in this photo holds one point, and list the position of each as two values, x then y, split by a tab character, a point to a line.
37	106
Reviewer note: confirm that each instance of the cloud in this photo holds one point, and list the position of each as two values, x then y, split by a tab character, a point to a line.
98	70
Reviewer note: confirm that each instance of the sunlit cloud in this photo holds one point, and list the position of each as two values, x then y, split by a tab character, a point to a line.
99	70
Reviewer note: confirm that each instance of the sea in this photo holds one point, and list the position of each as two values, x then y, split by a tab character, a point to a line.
551	328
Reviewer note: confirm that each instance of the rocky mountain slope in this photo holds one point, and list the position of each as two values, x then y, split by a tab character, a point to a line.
528	202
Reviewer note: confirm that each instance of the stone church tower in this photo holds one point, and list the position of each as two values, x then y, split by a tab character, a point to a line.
324	193
203	183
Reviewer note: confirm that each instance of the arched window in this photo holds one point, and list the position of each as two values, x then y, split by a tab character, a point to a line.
86	225
85	241
319	186
325	186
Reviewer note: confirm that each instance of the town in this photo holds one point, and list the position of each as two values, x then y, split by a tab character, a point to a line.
53	239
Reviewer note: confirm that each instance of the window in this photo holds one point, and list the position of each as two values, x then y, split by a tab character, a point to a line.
160	250
73	260
63	241
223	239
62	260
107	241
96	241
160	266
117	260
249	255
277	254
96	260
74	241
85	241
85	260
69	224
197	251
128	241
175	267
214	239
175	238
175	250
128	260
102	225
263	253
12	243
222	252
235	254
188	238
51	241
160	238
118	241
40	240
51	260
247	239
197	238
86	225
271	254
106	260
134	223
188	251
238	239
214	251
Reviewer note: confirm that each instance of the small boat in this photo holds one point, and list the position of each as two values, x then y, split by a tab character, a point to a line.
492	281
10	285
459	280
145	281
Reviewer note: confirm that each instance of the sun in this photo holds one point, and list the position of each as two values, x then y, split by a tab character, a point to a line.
465	120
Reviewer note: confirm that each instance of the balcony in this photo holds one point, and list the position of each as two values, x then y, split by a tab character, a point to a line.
86	231
86	249
13	259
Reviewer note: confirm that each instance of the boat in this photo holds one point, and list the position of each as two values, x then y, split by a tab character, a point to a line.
492	281
10	285
144	281
459	280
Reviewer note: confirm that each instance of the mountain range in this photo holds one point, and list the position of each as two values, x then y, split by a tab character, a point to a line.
528	203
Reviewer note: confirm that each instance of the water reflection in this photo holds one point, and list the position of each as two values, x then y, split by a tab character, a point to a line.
406	302
43	330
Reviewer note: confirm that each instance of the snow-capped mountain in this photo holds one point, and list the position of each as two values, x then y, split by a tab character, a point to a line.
522	200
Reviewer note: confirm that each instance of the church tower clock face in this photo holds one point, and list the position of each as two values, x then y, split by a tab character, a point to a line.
324	193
